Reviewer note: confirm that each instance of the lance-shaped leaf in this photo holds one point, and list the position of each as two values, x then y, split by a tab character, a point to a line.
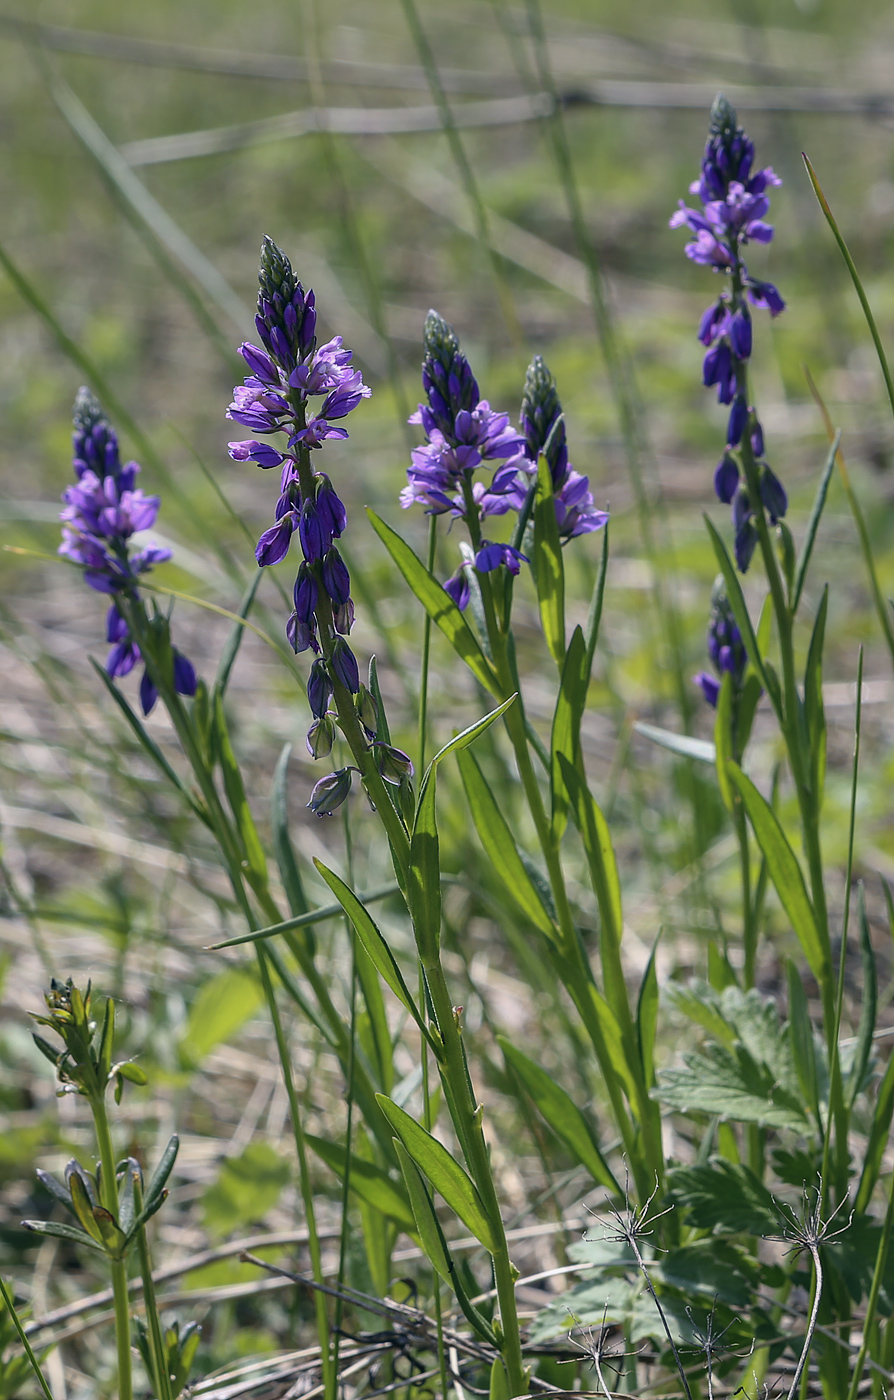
84	1208
565	736
785	872
444	1172
371	1183
869	1002
561	1113
723	740
375	945
549	568
431	1236
438	604
282	843
60	1231
156	1191
814	713
500	848
235	790
600	854
424	875
682	744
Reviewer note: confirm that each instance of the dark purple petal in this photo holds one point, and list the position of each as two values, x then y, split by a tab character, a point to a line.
738	421
251	451
305	594
274	543
148	693
116	627
122	658
458	587
740	334
343	664
336	579
710	687
726	478
313	532
184	674
746	540
773	495
319	689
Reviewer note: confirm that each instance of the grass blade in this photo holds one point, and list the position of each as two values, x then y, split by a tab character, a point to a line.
813	523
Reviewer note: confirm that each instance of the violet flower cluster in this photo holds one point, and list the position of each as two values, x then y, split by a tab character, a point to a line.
734	204
725	648
103	510
464	434
287	372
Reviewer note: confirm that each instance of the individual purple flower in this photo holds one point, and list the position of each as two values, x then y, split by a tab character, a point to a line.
319	689
735	202
725	647
103	511
393	764
343	665
458	587
491	556
330	792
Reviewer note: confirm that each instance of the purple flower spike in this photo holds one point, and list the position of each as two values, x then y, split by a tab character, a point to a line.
330	792
734	204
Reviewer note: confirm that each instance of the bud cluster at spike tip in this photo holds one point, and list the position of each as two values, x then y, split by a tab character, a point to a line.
286	372
734	199
725	647
464	434
103	510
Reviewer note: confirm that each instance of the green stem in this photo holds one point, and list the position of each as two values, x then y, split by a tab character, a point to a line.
468	1122
157	1351
118	1267
330	1377
426	649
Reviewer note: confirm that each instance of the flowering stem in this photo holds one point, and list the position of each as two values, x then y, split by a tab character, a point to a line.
467	1116
426	649
118	1267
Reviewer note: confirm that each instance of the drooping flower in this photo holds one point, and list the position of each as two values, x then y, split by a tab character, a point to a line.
725	647
103	511
734	199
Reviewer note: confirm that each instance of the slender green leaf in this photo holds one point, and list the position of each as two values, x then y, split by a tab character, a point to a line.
855	278
381	1049
438	604
814	712
83	1206
444	1172
548	565
785	872
737	602
723	740
682	744
234	640
868	1004
877	1142
647	1016
60	1231
424	875
749	698
379	953
283	849
235	790
499	846
604	875
369	1182
565	736
561	1113
801	1037
594	616
26	1345
813	523
466	737
313	916
612	1036
106	1044
428	1228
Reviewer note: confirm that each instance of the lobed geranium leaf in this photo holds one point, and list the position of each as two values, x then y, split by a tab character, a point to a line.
724	1196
